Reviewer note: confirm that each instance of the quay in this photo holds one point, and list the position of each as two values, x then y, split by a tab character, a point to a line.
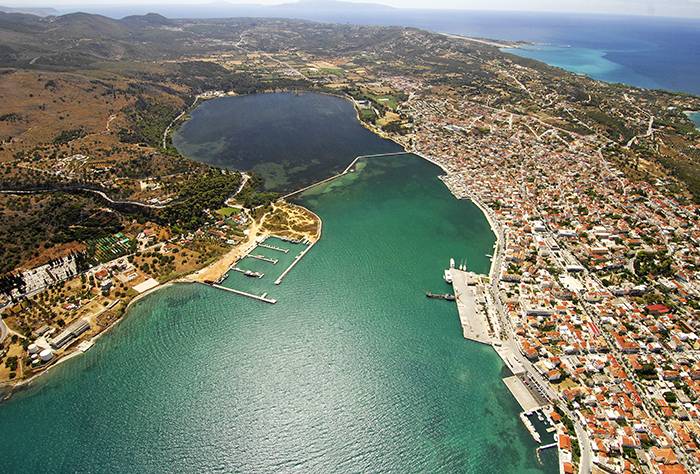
264	259
509	359
521	393
262	297
469	293
272	247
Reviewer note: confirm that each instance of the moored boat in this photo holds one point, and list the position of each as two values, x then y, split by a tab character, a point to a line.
444	296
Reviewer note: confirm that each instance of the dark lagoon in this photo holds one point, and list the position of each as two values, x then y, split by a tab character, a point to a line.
290	139
353	370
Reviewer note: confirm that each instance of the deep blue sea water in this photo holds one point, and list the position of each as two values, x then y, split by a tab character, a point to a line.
648	52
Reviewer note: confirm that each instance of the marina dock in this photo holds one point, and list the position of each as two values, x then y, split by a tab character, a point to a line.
264	259
272	247
469	293
262	297
528	424
297	259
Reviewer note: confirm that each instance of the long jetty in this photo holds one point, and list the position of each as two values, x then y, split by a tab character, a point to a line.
297	259
262	297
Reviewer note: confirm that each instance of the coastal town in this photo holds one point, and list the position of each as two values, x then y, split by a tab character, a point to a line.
592	300
594	282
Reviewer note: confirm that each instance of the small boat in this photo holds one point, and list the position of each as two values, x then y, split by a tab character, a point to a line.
448	276
252	274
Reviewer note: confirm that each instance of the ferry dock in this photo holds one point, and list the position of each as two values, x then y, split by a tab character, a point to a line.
471	305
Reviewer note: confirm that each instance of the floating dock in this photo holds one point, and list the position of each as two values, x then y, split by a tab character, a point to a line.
262	297
469	293
264	259
272	247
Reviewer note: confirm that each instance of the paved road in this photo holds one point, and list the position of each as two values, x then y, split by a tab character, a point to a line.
95	191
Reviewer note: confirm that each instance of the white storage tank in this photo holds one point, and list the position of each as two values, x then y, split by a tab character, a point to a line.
33	349
46	355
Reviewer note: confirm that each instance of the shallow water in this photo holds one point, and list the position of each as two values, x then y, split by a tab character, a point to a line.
290	139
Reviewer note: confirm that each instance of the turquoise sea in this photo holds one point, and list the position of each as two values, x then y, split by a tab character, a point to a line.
695	117
353	370
594	63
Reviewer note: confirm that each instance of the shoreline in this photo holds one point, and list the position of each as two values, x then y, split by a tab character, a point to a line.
11	389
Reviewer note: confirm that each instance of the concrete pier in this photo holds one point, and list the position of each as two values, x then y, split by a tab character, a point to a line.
297	259
263	297
521	393
264	259
547	446
469	294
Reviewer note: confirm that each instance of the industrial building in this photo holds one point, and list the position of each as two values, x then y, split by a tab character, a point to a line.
75	329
